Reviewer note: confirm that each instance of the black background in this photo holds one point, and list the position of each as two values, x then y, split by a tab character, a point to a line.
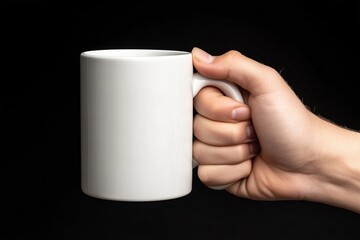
315	46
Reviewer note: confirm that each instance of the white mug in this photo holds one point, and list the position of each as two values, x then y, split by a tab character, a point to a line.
137	122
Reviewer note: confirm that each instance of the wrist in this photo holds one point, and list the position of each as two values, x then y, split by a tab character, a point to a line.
336	176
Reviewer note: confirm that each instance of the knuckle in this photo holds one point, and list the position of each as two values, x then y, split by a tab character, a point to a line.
236	135
270	72
233	55
240	154
246	168
215	111
247	165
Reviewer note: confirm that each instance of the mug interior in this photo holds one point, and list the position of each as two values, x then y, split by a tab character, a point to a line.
126	53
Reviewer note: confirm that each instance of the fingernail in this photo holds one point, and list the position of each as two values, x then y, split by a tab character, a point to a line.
202	56
254	148
239	113
250	131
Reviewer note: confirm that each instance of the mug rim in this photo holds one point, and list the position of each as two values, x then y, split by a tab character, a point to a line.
132	53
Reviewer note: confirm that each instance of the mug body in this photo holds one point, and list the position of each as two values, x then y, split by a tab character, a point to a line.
136	124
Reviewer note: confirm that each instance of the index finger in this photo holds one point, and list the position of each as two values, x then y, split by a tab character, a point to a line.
233	66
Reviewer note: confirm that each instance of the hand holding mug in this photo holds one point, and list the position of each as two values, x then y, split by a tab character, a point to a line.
302	156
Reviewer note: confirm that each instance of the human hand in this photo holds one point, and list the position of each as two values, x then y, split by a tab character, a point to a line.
296	158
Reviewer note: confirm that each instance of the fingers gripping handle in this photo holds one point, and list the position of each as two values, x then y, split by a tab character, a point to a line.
228	88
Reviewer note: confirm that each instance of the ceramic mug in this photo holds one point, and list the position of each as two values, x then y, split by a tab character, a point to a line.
137	122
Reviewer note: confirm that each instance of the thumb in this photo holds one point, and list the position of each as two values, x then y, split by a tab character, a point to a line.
233	66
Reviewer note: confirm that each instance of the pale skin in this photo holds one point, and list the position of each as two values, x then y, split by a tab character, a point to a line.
271	147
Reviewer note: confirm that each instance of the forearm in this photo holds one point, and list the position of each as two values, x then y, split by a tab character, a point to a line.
337	181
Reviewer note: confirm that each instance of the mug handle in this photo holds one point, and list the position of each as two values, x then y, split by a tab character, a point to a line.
228	88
